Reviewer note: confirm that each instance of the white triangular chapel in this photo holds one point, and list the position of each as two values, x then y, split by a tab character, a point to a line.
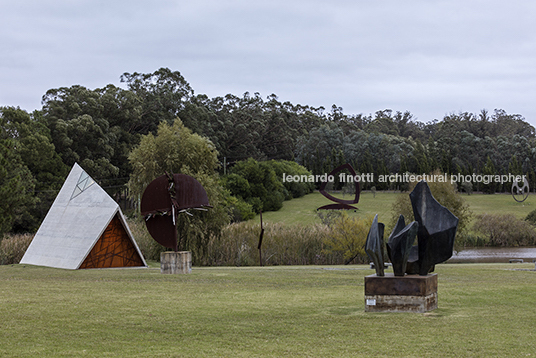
77	229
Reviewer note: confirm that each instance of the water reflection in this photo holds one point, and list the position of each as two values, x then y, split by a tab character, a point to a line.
494	254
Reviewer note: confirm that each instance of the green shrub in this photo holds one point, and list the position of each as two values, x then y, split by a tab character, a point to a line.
531	217
294	189
348	236
467	187
239	210
505	230
237	245
261	185
257	184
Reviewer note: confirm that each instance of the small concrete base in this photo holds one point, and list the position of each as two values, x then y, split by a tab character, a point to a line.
172	262
410	293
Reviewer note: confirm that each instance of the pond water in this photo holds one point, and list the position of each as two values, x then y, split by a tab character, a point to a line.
493	254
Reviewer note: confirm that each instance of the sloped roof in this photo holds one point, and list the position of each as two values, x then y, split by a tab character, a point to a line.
75	222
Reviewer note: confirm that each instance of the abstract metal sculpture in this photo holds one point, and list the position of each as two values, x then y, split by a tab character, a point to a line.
400	244
342	204
520	194
164	199
435	227
437	230
374	245
259	246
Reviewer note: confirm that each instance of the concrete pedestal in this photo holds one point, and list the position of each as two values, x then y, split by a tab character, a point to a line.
410	293
175	262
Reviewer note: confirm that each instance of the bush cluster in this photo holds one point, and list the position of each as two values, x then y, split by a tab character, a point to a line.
260	184
504	230
348	237
531	217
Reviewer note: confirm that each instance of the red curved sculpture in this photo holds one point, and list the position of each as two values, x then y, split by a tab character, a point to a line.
342	204
164	199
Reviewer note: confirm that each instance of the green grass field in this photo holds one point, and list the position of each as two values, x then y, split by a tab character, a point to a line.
485	310
303	210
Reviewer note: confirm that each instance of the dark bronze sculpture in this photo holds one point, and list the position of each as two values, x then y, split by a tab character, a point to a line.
259	246
435	227
437	230
164	199
341	203
374	245
400	243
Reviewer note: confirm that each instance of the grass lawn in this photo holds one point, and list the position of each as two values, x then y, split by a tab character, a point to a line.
485	310
303	210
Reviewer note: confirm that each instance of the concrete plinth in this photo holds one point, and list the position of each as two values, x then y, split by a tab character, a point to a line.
410	293
175	262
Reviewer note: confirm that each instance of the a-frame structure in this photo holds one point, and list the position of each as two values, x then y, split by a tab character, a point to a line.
84	228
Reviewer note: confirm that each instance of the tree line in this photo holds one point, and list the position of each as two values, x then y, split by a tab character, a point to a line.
460	144
99	129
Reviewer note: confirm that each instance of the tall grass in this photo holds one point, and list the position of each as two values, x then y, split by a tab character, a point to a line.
13	247
237	245
149	248
282	245
287	244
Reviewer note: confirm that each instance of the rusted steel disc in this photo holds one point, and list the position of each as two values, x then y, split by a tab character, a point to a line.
158	207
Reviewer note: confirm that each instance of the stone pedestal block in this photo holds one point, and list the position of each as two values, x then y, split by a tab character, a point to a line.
410	293
176	262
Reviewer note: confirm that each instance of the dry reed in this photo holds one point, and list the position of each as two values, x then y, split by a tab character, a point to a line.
13	247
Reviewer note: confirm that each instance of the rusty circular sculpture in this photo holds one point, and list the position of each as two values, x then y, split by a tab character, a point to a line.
164	199
341	203
520	194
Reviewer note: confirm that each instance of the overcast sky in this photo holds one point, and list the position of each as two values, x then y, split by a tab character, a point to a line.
431	58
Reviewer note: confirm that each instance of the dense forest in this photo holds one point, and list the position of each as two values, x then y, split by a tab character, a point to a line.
99	128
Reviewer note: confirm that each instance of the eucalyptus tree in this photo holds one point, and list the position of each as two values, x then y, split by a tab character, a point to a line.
383	123
237	127
17	184
510	124
162	95
31	142
314	150
96	128
250	126
16	190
